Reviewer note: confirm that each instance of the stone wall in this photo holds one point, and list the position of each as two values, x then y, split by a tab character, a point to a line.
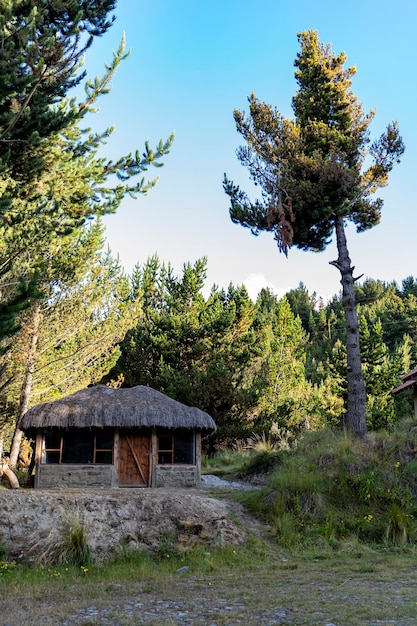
32	519
56	476
84	476
176	476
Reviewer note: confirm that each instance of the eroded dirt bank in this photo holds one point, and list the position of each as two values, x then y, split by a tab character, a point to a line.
140	518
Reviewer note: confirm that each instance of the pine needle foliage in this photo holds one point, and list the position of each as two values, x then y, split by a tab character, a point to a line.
52	176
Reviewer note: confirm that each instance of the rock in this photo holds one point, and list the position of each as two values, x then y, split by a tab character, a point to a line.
31	519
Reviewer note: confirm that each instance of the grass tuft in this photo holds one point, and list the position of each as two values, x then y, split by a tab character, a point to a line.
226	462
68	543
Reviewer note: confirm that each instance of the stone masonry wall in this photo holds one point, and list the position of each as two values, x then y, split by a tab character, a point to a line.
84	476
176	476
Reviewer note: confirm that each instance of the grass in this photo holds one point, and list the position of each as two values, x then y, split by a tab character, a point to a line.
261	453
225	463
68	543
334	487
259	583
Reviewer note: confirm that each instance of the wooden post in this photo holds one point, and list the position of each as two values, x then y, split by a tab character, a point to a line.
38	457
152	460
116	447
415	399
197	457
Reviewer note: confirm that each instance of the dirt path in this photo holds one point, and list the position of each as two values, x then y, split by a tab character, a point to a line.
322	594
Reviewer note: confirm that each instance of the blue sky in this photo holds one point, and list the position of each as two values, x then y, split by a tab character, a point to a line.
191	64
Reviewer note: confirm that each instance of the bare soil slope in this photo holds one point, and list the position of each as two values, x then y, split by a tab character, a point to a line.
140	518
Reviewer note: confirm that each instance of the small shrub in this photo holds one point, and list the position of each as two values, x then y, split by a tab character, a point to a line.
3	551
68	544
396	532
167	548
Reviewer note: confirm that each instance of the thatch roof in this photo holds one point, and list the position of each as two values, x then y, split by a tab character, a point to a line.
101	407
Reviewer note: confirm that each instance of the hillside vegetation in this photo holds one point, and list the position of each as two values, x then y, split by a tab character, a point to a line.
334	490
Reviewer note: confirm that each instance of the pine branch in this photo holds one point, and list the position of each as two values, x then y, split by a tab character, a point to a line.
23	107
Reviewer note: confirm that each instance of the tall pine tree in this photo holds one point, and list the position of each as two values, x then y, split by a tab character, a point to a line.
315	175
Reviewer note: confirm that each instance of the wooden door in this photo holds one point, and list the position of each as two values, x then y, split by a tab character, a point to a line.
134	454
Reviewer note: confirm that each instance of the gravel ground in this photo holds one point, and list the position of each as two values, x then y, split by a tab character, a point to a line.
209	481
179	612
311	594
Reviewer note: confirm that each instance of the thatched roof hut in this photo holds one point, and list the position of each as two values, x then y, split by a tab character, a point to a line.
104	407
106	437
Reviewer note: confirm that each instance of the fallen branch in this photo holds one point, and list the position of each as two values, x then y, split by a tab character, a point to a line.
10	475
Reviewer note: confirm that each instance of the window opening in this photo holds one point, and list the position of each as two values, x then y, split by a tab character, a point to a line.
103	448
78	447
176	447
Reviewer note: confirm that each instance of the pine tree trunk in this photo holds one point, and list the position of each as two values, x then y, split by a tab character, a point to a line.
26	387
355	420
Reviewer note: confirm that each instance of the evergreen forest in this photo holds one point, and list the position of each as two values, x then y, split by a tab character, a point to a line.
270	364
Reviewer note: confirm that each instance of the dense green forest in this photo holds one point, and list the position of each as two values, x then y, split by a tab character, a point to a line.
273	363
276	365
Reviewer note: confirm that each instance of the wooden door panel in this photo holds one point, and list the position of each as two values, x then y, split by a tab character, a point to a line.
134	453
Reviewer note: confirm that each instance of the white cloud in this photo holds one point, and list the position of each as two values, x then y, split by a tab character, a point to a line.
255	282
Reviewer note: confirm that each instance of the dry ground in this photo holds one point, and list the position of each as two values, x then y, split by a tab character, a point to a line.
356	590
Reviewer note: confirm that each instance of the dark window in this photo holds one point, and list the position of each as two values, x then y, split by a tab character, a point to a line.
103	448
104	457
52	457
52	441
77	446
165	448
104	441
176	447
53	446
184	448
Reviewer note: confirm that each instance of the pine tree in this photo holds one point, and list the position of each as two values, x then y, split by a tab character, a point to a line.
313	176
52	178
280	381
69	339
